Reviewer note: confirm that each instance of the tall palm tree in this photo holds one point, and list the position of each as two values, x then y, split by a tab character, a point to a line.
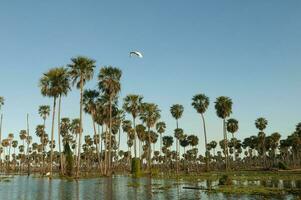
132	105
176	111
109	83
90	106
161	126
200	102
275	142
63	91
44	112
223	107
149	115
50	85
232	127
81	71
261	123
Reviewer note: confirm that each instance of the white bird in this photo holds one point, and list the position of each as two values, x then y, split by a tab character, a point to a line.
48	174
136	53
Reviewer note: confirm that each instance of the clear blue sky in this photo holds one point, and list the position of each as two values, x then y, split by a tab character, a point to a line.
247	50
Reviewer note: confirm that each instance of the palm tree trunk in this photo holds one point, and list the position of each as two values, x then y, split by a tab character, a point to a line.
59	134
226	144
205	135
161	143
52	135
177	150
9	156
149	151
110	139
119	131
94	128
106	151
43	148
234	147
80	127
28	160
135	146
101	147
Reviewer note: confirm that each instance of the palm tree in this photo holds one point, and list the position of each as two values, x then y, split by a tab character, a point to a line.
64	87
200	102
44	112
81	71
40	132
223	107
15	145
161	126
261	123
23	136
232	127
213	145
275	137
140	130
50	85
90	106
75	129
176	111
109	83
132	105
149	115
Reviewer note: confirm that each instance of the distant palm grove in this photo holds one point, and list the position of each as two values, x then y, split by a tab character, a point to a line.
77	153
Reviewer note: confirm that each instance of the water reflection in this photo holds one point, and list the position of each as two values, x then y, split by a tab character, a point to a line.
121	187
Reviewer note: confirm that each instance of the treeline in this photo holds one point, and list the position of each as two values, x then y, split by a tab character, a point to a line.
141	122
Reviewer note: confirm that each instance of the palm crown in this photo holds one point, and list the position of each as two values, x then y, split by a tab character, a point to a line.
223	106
200	102
132	104
150	114
176	111
81	68
55	82
261	123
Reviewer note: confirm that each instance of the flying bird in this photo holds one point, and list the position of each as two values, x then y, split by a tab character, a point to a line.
136	53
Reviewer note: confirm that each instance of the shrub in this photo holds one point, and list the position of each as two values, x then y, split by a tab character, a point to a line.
225	180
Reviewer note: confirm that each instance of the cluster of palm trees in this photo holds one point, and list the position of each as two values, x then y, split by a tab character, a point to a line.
141	122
